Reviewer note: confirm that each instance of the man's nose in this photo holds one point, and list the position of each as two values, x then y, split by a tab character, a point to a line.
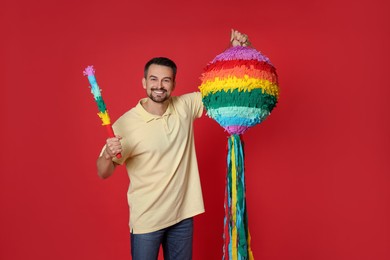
160	84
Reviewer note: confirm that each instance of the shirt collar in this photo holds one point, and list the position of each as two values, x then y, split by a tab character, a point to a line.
147	117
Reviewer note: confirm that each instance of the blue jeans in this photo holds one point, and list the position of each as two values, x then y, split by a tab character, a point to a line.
176	242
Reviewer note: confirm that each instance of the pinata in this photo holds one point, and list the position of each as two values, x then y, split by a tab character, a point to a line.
239	90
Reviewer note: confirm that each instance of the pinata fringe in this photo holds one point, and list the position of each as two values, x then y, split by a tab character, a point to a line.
245	84
230	64
236	232
236	98
104	117
241	53
239	69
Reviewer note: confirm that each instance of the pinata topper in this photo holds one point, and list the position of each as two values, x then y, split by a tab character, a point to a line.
103	113
239	90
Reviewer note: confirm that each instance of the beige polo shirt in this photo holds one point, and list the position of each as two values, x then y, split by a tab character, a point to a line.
159	155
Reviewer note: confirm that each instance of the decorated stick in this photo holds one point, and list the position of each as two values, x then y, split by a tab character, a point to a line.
103	113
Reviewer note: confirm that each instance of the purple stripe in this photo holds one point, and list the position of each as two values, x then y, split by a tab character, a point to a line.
236	129
241	53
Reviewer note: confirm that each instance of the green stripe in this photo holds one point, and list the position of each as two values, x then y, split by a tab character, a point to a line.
101	105
255	98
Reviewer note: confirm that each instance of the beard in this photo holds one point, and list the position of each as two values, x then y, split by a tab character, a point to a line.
159	98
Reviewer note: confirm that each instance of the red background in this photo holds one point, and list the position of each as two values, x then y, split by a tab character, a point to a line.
317	169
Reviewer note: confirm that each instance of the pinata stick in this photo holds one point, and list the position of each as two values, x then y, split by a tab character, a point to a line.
103	113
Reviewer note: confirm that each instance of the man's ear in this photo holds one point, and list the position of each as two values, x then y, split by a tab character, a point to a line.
144	83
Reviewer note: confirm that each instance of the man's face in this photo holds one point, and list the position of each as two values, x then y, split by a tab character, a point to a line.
159	83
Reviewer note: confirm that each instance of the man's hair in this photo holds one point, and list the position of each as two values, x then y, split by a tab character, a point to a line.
163	62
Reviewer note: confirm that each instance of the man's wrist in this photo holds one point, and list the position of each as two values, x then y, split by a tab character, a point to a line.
106	155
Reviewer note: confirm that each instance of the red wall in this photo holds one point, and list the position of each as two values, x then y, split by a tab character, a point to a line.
317	169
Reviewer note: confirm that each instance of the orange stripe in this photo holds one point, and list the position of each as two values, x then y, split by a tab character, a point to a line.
240	72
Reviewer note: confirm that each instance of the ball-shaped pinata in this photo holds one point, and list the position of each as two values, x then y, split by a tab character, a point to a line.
239	88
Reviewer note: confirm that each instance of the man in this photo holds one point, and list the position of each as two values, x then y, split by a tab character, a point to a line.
156	141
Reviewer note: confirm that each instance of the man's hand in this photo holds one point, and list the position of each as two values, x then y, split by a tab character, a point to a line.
239	39
113	147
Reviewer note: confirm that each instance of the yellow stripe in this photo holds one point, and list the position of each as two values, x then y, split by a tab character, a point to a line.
241	84
234	203
250	253
104	117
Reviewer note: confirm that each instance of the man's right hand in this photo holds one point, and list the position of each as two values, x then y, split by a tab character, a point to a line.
113	147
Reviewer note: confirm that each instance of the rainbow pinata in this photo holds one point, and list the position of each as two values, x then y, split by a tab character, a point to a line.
239	88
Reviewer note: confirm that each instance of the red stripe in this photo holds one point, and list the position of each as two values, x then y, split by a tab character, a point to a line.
260	65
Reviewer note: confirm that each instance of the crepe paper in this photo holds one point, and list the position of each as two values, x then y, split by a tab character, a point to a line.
103	113
237	237
239	90
241	53
238	79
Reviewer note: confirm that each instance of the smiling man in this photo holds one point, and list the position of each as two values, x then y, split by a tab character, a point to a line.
159	82
156	141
